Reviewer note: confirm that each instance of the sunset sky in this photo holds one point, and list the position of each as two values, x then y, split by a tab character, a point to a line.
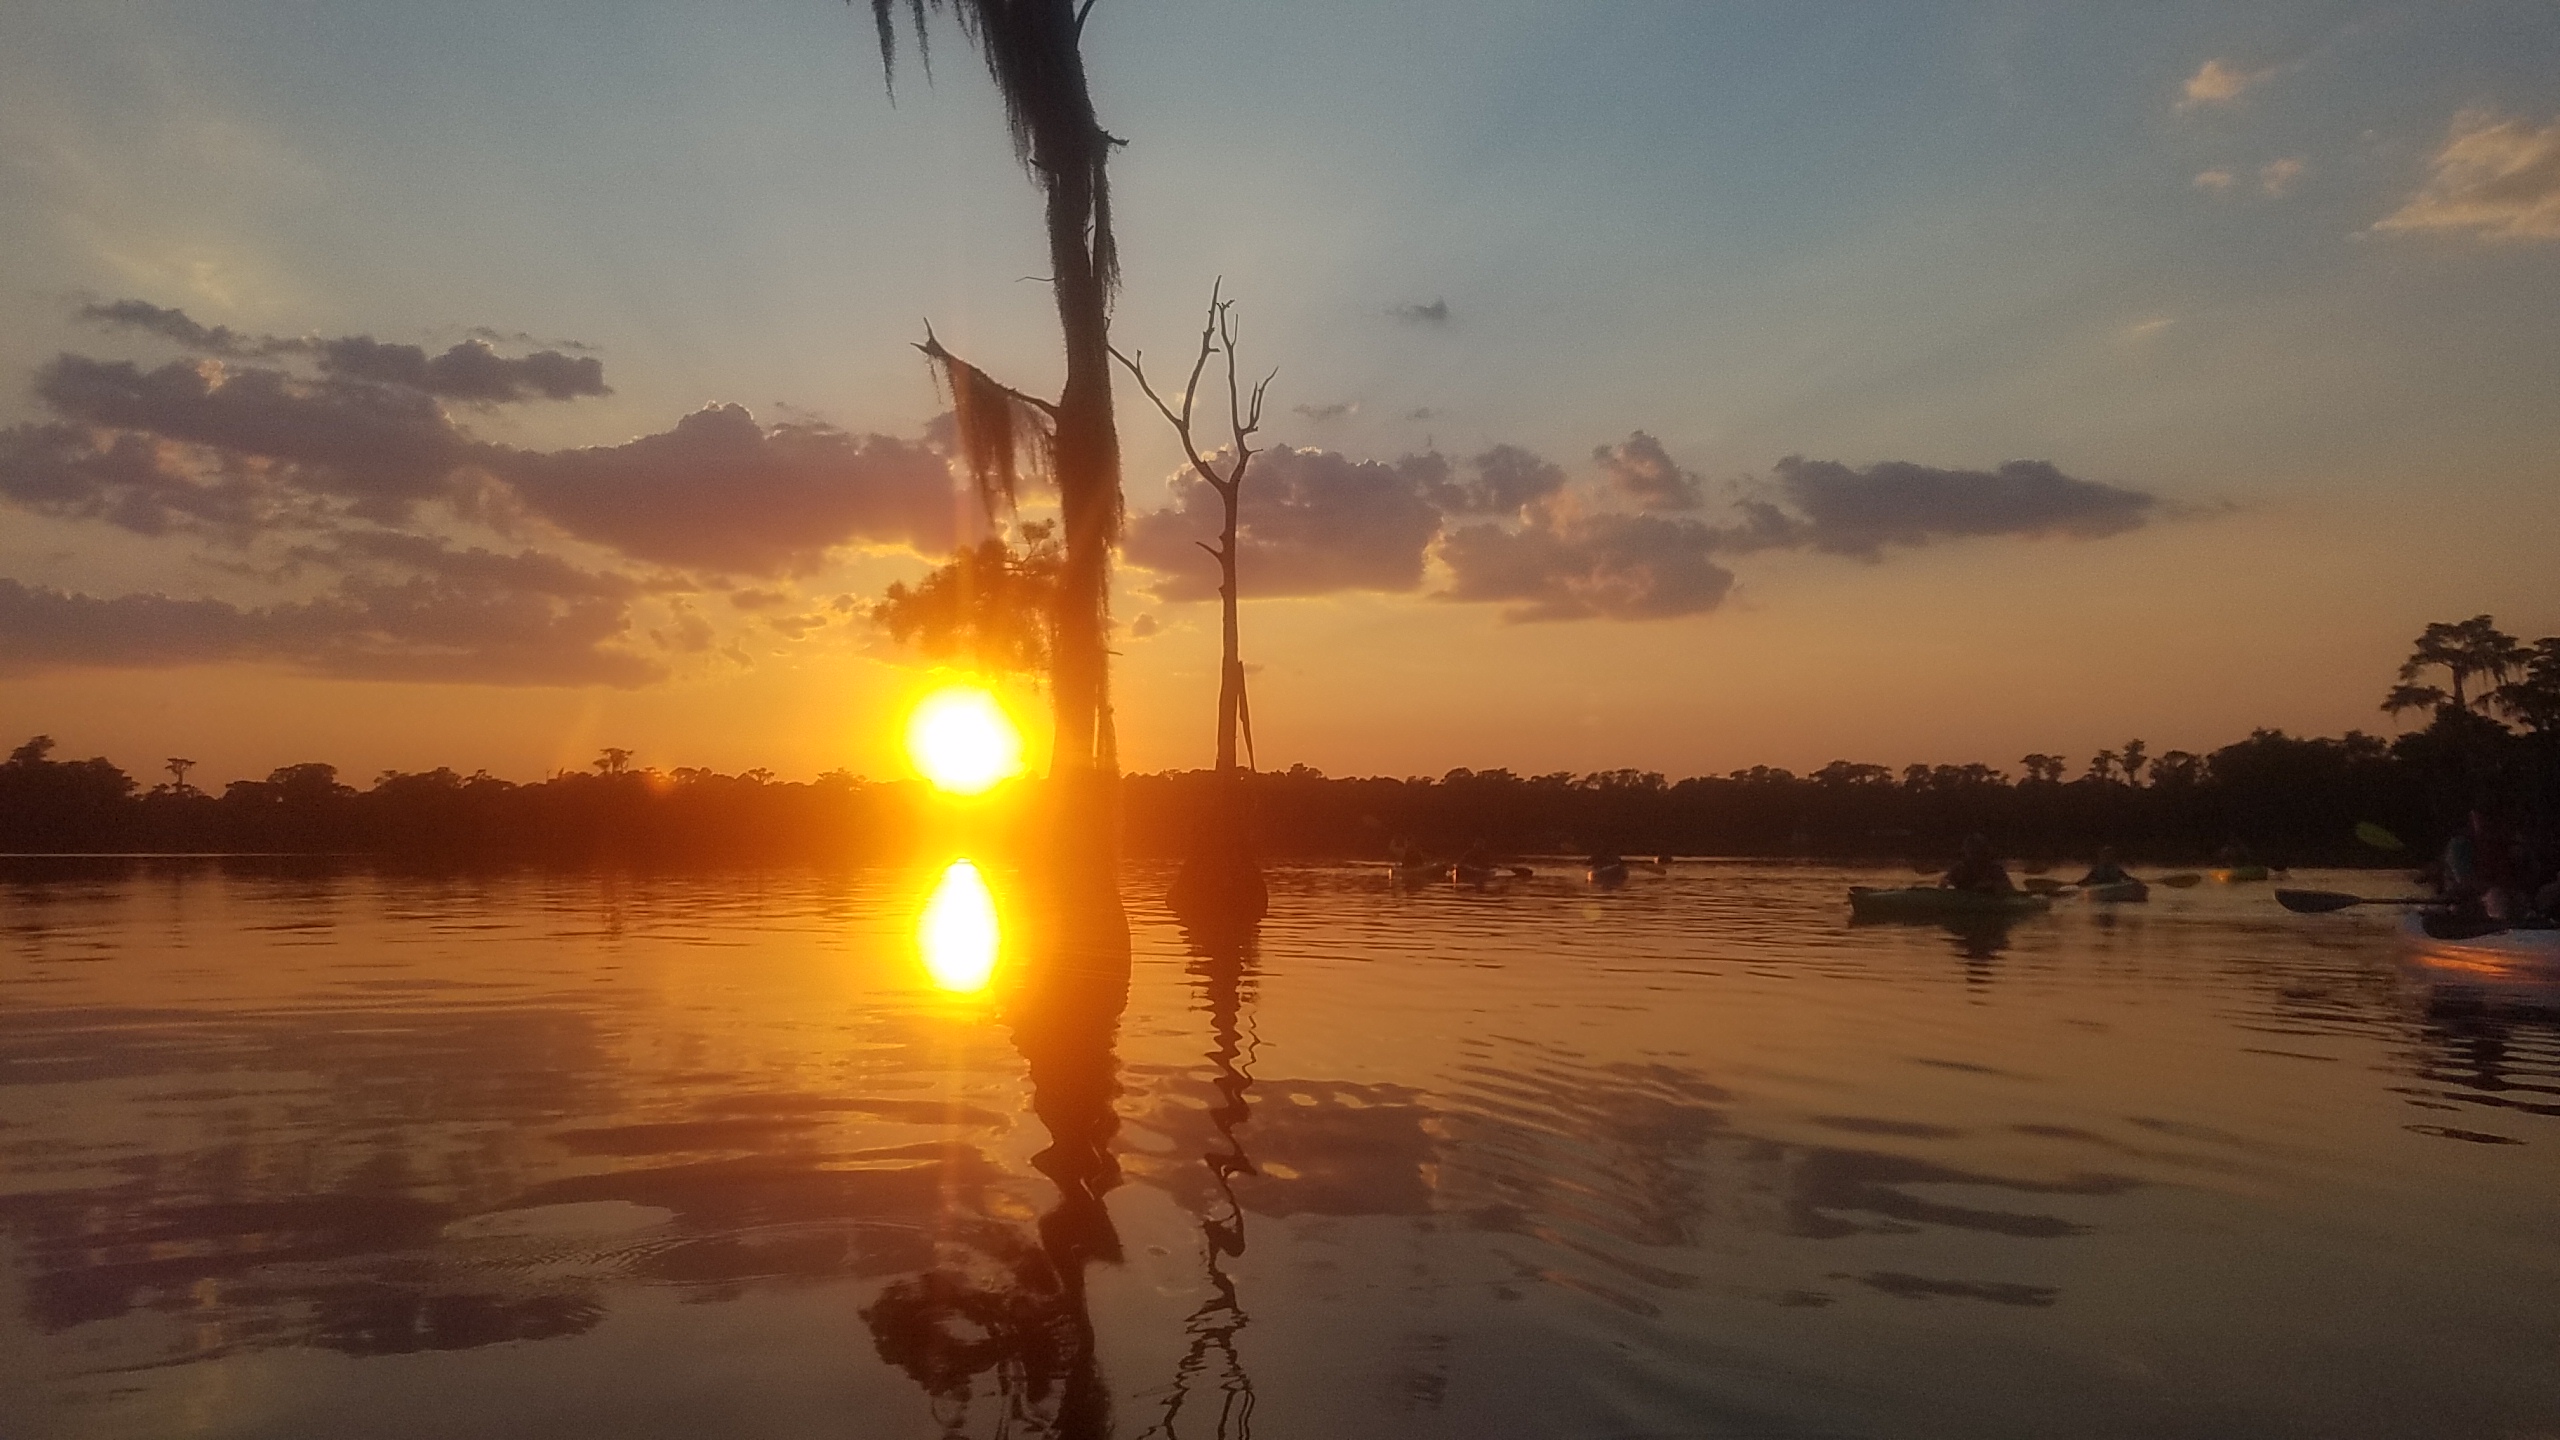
1673	385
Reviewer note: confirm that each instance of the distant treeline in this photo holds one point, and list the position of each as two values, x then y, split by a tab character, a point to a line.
2285	798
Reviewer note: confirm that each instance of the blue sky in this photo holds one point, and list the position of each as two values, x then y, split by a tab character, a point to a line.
2153	246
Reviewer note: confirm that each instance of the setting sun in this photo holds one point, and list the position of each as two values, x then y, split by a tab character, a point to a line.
961	739
958	932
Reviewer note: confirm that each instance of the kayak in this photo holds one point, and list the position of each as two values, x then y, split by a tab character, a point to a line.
1607	877
1932	902
2240	874
2122	892
2521	965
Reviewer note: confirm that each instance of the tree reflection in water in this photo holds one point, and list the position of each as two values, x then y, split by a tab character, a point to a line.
1223	962
1009	1305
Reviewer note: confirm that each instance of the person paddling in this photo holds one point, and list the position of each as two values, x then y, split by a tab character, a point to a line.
2106	871
1977	869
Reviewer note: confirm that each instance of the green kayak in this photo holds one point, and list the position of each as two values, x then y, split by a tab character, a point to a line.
2122	892
2241	874
1931	902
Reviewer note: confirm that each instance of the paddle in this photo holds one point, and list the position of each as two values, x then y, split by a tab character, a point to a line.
2321	902
2183	880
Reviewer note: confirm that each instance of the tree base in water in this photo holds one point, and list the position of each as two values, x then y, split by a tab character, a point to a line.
1220	886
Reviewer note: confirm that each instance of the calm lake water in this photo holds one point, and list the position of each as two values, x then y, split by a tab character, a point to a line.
300	1151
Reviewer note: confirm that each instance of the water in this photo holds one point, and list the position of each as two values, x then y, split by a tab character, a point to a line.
314	1152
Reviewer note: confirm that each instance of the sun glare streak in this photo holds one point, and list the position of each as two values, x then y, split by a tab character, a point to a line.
961	739
958	932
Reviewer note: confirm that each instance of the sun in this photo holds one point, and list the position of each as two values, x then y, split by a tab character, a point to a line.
961	739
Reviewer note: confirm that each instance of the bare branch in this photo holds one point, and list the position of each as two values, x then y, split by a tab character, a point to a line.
933	350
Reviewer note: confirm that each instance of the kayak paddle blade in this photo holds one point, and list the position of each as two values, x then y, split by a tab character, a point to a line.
2377	837
2316	902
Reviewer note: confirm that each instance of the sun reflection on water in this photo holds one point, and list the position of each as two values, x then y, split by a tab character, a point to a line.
958	933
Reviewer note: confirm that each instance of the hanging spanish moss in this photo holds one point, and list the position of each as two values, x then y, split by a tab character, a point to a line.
1003	435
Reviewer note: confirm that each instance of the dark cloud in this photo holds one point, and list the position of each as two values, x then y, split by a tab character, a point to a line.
137	483
1504	480
1435	313
1859	512
1335	411
1313	522
384	448
1142	627
469	371
721	492
174	325
1605	566
420	628
1644	472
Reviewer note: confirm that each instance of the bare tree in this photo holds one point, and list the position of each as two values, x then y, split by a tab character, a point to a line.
1032	51
1244	418
1221	879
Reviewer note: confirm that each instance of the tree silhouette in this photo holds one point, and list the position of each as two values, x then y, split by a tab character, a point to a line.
2131	759
2532	699
613	760
1244	417
2465	650
992	606
2041	768
1032	51
1221	875
178	769
2102	766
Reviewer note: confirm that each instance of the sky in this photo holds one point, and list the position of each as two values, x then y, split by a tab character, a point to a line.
1676	386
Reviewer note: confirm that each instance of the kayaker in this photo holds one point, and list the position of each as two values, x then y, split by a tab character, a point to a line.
1977	869
2106	871
2479	871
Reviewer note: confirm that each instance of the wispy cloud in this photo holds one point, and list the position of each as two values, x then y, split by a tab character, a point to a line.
2276	178
2217	181
2218	83
1435	313
2496	178
1337	410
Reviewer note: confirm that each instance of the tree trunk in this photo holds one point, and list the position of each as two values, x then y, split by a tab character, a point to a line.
1231	660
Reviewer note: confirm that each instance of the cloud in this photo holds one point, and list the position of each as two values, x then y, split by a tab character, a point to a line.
2217	181
1506	480
687	633
2215	83
174	325
342	464
1335	411
1603	565
1435	313
721	492
1644	473
1143	627
2276	177
384	448
1312	522
421	628
1896	502
2498	179
469	371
